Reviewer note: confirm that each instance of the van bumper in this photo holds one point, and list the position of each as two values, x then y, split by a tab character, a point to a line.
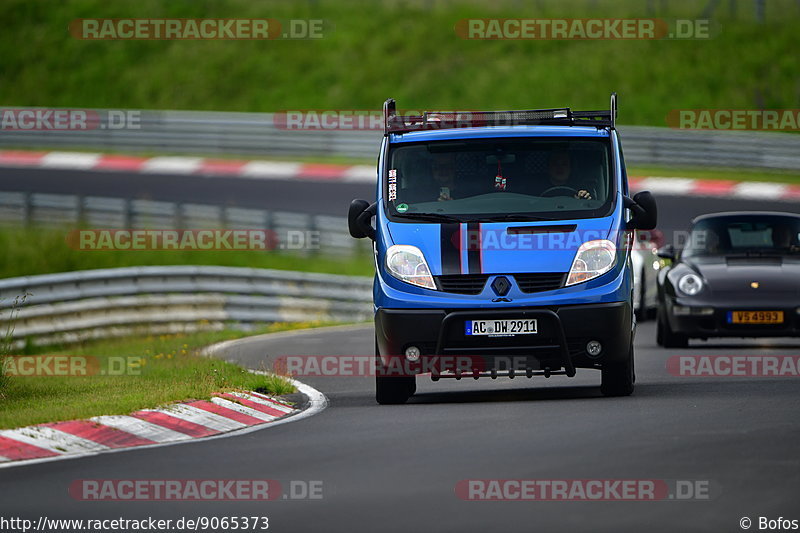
560	343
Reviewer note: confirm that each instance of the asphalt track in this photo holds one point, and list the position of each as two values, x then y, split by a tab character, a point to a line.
298	195
395	468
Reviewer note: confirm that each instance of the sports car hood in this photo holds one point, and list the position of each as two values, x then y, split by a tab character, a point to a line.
775	274
500	247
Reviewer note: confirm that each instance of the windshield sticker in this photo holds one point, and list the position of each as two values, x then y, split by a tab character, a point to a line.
402	208
392	185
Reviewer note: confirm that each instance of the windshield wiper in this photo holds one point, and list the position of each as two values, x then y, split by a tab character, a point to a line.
515	217
764	252
432	217
437	217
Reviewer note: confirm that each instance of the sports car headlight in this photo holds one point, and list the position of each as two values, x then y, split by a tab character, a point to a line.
690	284
594	258
407	263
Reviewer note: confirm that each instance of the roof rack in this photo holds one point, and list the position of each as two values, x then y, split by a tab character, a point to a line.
434	120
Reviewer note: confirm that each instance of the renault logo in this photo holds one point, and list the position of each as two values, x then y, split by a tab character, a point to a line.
501	285
754	284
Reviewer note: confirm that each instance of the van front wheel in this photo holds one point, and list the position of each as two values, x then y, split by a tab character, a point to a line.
392	390
617	378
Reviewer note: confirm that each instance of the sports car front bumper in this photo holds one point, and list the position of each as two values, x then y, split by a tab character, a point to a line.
704	319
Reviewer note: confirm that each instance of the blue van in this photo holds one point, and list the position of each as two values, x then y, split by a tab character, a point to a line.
502	247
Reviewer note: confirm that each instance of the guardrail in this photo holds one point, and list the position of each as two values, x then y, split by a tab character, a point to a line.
75	306
195	132
293	232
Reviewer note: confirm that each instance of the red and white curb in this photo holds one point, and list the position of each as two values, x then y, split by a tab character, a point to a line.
746	190
224	415
188	166
280	170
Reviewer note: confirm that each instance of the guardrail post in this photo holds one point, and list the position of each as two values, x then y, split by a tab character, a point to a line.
26	209
80	215
268	231
179	216
760	11
127	216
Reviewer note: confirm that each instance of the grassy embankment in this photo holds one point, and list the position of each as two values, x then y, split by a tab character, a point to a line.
128	374
156	369
408	50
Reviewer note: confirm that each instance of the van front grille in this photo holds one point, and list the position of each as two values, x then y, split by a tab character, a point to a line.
474	283
540	281
462	283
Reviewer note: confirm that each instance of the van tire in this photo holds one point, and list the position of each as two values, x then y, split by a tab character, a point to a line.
666	337
641	313
392	390
617	378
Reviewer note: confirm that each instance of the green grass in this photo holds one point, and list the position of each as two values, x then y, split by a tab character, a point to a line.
160	370
405	49
733	174
7	324
31	251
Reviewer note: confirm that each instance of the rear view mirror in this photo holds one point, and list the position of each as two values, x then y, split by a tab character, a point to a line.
667	252
359	219
644	209
503	159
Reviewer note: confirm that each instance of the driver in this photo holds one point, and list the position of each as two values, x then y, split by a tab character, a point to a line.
782	236
712	243
558	177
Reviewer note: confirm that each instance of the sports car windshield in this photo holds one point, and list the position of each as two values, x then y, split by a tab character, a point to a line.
496	179
748	235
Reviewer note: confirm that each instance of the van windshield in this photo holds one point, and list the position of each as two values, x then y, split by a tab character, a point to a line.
496	179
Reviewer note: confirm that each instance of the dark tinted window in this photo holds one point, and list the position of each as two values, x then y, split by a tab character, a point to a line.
546	177
745	234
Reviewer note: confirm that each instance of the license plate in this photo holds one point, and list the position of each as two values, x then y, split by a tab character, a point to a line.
755	317
505	327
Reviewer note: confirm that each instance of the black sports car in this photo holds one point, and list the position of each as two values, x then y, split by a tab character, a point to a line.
737	276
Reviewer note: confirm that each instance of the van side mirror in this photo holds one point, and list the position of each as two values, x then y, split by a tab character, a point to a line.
667	252
644	209
359	218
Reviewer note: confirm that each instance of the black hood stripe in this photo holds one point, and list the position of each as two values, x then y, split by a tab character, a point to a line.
450	246
474	262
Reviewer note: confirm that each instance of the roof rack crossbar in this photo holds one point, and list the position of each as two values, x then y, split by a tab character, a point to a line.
431	120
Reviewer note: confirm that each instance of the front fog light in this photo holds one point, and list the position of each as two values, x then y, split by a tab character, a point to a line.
412	354
680	310
593	348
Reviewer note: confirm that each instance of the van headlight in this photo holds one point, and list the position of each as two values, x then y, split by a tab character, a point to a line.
594	258
690	284
407	263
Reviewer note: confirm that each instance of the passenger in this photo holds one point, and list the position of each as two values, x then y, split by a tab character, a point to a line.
443	170
559	176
